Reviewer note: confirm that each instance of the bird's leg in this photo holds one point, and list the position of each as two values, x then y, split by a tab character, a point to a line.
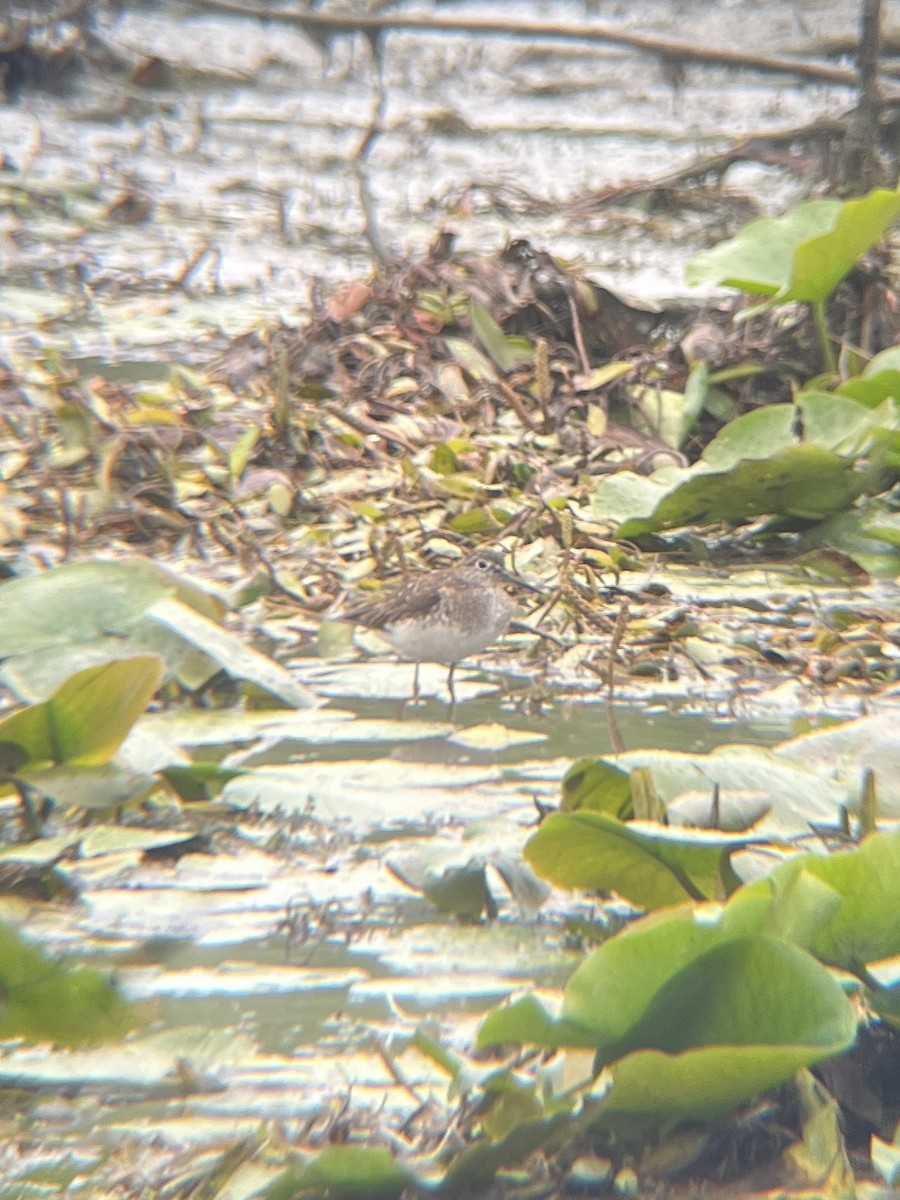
452	692
414	698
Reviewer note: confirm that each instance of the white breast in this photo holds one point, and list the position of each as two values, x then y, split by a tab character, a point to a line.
443	642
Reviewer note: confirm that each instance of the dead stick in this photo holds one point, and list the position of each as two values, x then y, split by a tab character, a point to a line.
663	47
370	428
615	734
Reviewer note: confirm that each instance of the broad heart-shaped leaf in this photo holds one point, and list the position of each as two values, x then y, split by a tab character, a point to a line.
803	255
654	1089
841	424
802	481
821	262
696	1011
830	422
842	753
596	785
880	380
84	601
87	718
758	259
45	1001
759	434
615	985
346	1173
673	983
758	464
528	1022
81	615
736	1021
795	793
78	602
752	990
863	927
649	865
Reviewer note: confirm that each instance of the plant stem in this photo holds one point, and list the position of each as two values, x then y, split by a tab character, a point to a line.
822	330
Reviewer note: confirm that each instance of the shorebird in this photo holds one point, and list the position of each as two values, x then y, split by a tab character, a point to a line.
445	615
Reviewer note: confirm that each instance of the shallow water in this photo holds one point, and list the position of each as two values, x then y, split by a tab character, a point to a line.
245	156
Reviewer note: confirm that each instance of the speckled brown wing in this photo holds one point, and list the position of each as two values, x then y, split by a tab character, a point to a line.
415	598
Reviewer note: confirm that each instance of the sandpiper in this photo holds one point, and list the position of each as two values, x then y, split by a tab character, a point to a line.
445	615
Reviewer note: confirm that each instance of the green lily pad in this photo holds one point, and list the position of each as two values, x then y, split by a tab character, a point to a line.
596	785
82	601
804	481
863	927
697	1011
820	262
44	1001
841	754
801	256
87	718
345	1173
795	793
879	381
758	259
76	603
738	1020
750	990
649	865
81	615
232	655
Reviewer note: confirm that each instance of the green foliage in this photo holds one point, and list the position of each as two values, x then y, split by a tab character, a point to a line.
598	786
809	461
861	926
803	255
506	351
87	718
648	865
45	1001
879	380
346	1173
62	747
697	1009
84	614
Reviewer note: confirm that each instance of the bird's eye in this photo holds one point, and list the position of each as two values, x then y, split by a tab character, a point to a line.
482	564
